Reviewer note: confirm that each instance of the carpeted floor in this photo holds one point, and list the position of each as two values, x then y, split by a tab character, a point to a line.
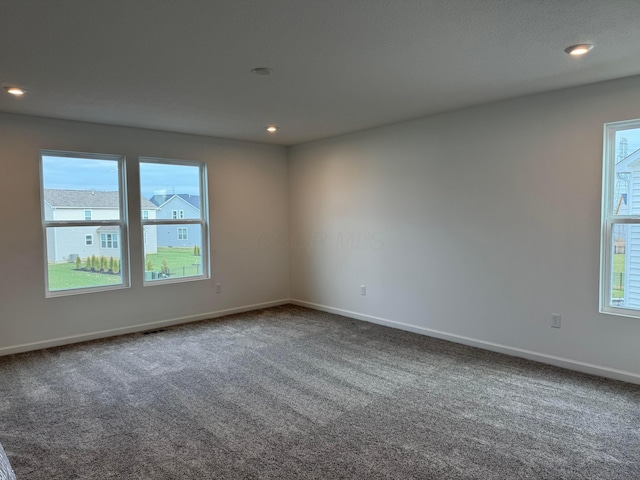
291	393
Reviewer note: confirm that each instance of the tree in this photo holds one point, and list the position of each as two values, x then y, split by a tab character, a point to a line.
103	263
165	267
116	266
78	263
111	264
94	263
149	265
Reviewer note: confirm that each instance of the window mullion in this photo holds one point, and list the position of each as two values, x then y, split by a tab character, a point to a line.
166	221
630	220
82	223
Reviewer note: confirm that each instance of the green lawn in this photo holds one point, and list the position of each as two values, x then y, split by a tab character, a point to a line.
618	268
64	276
180	261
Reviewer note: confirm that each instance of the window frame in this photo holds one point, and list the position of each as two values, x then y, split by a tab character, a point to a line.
89	217
184	231
122	222
203	221
88	240
609	219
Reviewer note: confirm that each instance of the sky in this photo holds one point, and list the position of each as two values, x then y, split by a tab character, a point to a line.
69	173
633	140
163	178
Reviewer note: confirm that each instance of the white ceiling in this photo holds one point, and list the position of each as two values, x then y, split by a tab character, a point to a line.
339	65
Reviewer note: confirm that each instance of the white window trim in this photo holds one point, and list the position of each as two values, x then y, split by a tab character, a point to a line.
90	216
88	240
186	233
122	223
203	221
145	214
609	219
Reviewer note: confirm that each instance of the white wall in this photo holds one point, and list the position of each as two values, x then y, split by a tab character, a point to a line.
478	223
248	201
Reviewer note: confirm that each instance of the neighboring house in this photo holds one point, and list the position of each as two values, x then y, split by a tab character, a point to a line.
64	244
174	207
628	240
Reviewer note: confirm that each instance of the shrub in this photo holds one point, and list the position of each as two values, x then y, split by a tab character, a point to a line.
165	267
149	265
103	263
78	263
111	264
94	263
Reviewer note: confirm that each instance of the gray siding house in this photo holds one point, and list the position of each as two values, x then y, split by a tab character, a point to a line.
175	207
629	238
64	244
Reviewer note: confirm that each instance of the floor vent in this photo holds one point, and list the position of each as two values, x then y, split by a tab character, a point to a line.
149	332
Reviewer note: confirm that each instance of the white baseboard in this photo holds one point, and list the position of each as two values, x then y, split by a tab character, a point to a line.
56	342
494	347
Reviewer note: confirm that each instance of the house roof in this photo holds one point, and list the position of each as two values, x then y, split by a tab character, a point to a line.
626	164
87	199
160	200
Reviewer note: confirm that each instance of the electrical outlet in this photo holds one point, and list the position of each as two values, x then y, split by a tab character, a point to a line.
555	320
218	288
363	289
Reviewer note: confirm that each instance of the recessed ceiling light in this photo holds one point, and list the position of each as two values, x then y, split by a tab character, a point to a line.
272	129
577	50
17	91
262	71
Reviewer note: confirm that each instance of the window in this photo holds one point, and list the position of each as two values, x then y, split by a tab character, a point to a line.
145	214
620	242
176	239
73	186
109	240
